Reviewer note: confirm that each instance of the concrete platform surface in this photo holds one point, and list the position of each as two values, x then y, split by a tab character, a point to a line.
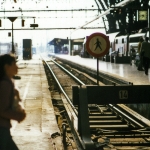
34	133
123	71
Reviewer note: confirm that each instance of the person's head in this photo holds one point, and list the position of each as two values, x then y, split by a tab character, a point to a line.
141	39
8	66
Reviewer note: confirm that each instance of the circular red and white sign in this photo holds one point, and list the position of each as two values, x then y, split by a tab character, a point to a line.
97	44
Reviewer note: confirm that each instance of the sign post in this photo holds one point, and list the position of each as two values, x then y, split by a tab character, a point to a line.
97	71
97	45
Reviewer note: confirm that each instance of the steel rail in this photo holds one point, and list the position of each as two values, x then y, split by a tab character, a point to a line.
103	77
79	81
112	106
120	112
68	99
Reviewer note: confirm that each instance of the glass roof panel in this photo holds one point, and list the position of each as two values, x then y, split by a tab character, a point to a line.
51	14
49	4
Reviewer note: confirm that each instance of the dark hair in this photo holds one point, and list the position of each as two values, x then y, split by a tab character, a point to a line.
5	59
141	39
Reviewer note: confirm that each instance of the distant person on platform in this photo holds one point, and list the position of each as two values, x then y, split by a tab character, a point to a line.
145	52
140	65
140	43
132	54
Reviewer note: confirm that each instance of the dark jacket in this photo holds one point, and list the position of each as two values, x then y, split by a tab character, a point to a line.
146	49
6	101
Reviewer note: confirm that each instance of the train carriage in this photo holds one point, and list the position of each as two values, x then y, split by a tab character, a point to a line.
111	37
134	40
121	45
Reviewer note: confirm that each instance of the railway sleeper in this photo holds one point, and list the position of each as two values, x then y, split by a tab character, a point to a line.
111	128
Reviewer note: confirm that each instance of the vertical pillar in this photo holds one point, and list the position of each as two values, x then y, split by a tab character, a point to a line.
13	51
70	45
12	19
98	70
83	119
149	21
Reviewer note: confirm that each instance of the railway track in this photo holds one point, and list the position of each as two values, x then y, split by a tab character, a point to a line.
114	127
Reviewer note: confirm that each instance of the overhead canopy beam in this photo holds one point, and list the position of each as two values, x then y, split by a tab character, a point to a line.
121	4
53	28
48	10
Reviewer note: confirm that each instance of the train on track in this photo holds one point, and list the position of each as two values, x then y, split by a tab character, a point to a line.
120	45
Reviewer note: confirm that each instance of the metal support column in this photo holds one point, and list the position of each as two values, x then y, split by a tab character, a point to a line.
12	19
83	119
13	51
70	45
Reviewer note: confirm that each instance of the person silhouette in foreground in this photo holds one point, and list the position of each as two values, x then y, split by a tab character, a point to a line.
140	65
8	69
145	52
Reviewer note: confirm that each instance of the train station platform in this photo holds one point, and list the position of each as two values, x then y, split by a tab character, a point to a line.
34	133
125	72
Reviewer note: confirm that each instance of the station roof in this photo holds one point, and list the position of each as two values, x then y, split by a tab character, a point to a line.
57	13
70	14
60	41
